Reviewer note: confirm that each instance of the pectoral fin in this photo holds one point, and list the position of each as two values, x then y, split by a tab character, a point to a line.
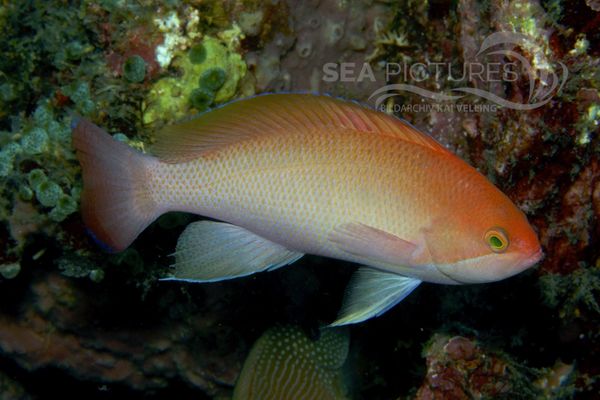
213	251
372	292
371	243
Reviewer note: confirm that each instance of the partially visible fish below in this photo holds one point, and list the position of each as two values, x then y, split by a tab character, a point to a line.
285	364
295	174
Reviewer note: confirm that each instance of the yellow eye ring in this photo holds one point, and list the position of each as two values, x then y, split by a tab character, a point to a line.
497	239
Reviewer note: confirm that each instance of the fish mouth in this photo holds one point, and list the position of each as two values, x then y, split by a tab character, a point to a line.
534	257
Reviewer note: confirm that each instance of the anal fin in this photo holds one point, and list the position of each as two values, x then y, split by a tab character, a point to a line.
372	292
210	251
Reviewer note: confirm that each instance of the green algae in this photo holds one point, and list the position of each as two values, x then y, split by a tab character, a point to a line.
134	69
65	206
197	54
10	271
201	98
38	38
78	266
25	193
212	79
170	98
36	177
52	187
35	142
80	93
574	293
48	193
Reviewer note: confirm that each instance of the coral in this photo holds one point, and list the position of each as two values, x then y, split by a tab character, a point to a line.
60	330
572	294
171	26
458	368
7	157
37	40
197	54
557	382
36	177
588	123
174	38
44	141
134	69
332	32
201	98
545	159
212	79
25	193
81	315
593	4
97	60
77	266
34	142
384	39
24	220
7	92
542	158
170	98
48	193
569	231
80	94
65	206
10	271
11	390
528	17
251	22
138	42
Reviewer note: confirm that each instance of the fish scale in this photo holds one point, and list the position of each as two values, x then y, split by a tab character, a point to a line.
267	187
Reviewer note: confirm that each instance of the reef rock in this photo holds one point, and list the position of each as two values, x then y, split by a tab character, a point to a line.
323	33
457	368
59	328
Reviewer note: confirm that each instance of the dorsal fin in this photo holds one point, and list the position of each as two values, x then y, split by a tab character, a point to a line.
277	114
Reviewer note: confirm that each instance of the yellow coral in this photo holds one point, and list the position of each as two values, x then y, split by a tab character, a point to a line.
168	99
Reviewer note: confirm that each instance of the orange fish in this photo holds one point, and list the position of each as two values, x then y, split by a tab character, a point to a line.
291	174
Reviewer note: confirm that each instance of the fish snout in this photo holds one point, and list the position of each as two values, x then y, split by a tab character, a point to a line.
529	250
534	257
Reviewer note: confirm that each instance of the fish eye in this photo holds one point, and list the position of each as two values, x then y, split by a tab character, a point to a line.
497	239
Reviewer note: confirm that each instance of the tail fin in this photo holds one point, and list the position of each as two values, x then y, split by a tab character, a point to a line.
115	203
